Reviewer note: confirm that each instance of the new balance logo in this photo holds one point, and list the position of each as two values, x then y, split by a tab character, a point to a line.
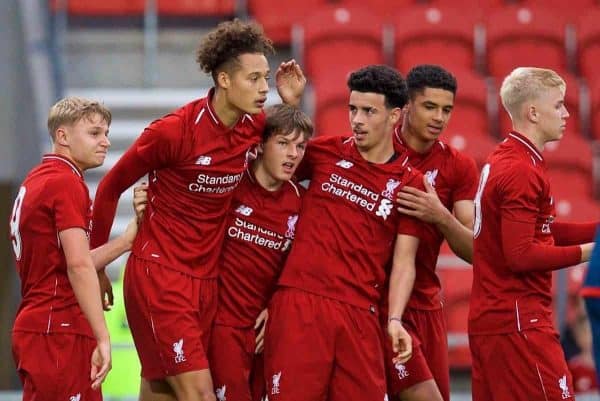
204	160
178	349
402	372
276	379
562	383
344	164
244	210
384	209
75	397
221	393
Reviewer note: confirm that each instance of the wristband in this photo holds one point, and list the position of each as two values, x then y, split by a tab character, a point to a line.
397	319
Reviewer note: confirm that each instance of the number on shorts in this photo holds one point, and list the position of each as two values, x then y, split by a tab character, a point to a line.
15	235
485	173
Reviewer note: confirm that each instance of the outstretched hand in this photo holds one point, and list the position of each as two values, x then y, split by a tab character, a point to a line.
290	82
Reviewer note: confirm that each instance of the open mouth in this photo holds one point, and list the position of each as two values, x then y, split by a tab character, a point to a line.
288	167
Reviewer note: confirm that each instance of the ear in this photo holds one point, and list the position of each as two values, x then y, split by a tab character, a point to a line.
61	136
223	80
532	114
396	115
259	149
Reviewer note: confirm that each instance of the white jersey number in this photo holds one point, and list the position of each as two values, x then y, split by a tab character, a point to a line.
485	173
15	235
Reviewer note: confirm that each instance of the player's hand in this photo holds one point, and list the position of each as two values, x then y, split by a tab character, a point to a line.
130	232
425	206
140	200
101	363
261	324
290	81
106	291
401	341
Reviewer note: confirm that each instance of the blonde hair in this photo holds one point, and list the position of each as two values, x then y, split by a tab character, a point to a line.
527	83
70	110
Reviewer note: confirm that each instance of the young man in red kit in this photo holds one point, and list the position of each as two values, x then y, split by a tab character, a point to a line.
195	157
451	179
60	341
323	338
260	231
515	348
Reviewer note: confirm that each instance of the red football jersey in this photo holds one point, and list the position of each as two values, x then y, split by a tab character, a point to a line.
52	198
348	223
454	177
513	187
260	230
194	164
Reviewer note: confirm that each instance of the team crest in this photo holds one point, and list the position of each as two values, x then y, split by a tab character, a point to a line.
390	187
430	176
291	226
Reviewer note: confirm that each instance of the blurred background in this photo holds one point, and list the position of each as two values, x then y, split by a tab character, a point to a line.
137	56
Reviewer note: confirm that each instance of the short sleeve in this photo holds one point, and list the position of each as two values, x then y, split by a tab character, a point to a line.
466	178
71	203
160	142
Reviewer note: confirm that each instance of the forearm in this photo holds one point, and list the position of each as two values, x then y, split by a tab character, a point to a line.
85	285
108	252
402	280
459	237
573	233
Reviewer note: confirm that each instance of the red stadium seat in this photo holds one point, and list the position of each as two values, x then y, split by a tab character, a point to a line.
572	192
525	36
571	152
434	35
340	38
331	105
572	9
477	6
469	129
277	17
379	7
588	43
456	278
595	108
195	8
104	8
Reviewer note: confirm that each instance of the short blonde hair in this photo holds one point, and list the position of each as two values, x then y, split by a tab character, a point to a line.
527	83
70	110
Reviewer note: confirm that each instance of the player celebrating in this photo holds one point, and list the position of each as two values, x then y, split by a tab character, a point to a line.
451	180
515	348
323	338
60	341
195	157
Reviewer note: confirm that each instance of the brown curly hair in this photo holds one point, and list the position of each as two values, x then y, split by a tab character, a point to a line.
220	48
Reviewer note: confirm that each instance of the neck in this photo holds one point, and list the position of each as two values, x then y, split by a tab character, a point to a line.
380	153
530	132
64	152
264	179
226	112
412	140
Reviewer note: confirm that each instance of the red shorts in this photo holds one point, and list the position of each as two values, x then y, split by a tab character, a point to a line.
522	366
170	315
236	370
54	366
430	353
318	349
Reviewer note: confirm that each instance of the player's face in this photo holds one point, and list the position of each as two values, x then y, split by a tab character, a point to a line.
248	84
428	113
552	114
371	121
87	141
281	155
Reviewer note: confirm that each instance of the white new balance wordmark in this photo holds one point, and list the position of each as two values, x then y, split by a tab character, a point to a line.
344	164
244	210
204	160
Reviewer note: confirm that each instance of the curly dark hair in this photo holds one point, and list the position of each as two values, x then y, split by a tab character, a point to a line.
383	80
430	76
220	48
